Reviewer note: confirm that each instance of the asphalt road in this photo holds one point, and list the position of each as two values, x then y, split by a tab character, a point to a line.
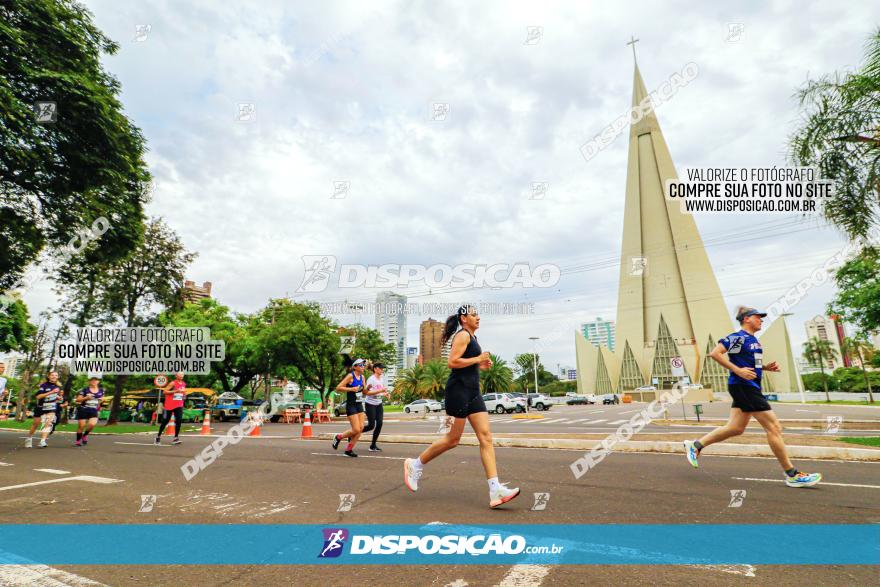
268	480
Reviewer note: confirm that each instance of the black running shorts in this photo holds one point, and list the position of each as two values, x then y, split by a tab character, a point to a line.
86	413
462	402
748	398
352	408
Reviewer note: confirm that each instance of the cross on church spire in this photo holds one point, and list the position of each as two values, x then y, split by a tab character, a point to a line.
633	42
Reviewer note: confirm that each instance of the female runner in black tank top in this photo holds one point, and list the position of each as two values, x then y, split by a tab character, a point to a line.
464	403
353	386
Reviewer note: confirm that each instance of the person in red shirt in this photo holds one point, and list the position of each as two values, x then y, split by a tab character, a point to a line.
175	393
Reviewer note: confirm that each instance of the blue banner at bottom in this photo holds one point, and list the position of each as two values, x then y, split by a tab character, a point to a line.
446	544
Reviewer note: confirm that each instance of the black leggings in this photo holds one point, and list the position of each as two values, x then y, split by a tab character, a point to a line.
374	421
178	421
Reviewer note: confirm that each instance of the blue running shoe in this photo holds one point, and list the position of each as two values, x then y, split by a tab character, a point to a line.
692	453
803	479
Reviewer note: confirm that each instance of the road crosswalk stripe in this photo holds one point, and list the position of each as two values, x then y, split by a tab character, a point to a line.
618	422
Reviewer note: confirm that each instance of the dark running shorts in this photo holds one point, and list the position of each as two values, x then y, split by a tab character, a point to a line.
352	408
748	398
86	413
462	402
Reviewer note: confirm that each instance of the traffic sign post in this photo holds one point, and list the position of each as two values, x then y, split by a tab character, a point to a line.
160	381
677	364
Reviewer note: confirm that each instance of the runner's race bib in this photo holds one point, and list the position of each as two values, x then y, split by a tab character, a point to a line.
178	397
92	403
759	360
49	401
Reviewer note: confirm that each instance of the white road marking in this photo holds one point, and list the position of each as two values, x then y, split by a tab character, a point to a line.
53	471
628	412
141	443
597	412
5	464
618	422
597	421
822	483
524	576
42	576
746	570
336	454
89	478
551	421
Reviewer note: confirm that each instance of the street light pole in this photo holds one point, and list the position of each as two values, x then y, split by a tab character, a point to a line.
535	362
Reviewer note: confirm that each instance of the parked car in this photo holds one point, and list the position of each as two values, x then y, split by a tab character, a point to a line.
539	401
577	400
423	405
610	398
503	402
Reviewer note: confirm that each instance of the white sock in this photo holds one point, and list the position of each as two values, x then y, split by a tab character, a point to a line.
418	464
494	484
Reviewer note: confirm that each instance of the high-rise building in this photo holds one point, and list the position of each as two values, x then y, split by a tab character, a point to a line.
14	365
599	332
825	328
391	324
194	293
669	303
430	347
412	356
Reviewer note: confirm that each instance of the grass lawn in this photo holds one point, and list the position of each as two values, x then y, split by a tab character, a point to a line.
115	429
392	409
865	440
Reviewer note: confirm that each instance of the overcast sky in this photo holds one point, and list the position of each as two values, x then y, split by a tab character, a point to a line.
344	91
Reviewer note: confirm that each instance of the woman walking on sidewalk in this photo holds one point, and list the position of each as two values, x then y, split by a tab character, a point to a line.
375	411
744	360
353	386
464	403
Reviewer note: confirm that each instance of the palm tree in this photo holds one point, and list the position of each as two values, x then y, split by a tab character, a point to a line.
817	352
859	347
408	384
498	378
841	137
434	378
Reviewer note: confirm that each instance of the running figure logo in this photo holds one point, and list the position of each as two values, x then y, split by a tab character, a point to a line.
737	497
346	501
832	424
334	541
318	269
541	501
147	503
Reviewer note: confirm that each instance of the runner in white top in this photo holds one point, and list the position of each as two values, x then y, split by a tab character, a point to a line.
374	391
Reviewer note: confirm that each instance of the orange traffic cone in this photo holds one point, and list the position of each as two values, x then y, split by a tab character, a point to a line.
307	425
257	430
169	430
206	423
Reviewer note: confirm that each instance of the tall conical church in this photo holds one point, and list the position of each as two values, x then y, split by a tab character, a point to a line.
669	303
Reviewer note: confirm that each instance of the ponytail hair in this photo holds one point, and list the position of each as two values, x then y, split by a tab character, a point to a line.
453	323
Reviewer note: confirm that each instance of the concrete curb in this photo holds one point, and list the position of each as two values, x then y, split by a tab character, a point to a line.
657	446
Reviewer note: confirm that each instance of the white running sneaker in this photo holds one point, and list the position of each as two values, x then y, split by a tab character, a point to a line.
43	444
29	442
502	495
692	453
411	475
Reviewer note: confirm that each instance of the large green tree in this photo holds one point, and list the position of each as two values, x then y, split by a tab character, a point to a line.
819	353
76	157
840	136
498	378
239	333
149	278
434	377
15	327
858	291
860	349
